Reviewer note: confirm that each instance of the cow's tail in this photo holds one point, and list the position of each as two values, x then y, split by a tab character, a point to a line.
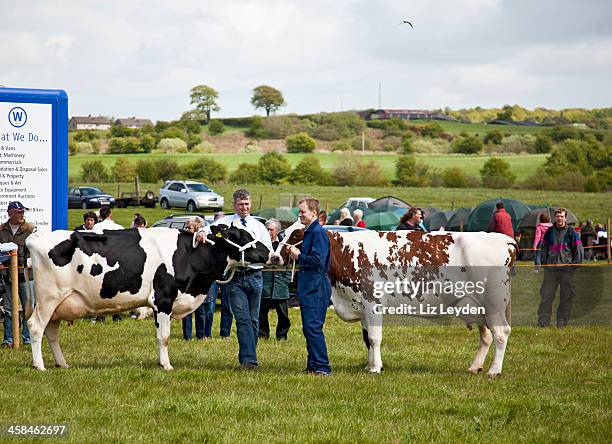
28	310
513	250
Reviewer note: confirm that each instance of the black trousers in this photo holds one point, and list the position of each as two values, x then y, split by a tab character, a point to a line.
282	310
553	279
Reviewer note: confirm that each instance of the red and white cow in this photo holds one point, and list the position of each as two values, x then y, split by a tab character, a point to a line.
366	266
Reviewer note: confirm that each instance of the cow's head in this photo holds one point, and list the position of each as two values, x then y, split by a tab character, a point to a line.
243	245
294	235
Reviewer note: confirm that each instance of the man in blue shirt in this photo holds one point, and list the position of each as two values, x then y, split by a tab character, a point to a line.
244	290
314	287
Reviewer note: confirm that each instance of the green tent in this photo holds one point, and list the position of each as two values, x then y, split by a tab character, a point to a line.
382	221
480	216
459	220
437	220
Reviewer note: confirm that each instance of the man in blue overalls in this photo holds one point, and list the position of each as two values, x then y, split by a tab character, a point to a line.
314	288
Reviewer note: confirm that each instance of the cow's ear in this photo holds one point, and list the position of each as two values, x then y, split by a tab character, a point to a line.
218	230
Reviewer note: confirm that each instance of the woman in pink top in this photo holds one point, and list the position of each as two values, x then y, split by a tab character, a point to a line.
541	229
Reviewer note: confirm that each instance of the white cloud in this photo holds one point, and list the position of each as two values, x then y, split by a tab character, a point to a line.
142	57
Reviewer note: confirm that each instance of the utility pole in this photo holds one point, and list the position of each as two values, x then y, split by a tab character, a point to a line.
363	144
379	95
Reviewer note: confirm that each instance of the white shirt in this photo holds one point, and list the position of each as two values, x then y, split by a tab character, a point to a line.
252	224
601	235
106	224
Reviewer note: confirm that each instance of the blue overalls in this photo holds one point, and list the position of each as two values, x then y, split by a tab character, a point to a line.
314	291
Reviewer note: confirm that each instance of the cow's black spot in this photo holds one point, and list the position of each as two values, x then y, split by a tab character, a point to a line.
164	291
117	247
96	269
80	268
364	332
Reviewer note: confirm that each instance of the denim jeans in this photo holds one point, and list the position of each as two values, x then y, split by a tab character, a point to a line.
8	312
200	319
203	317
244	292
537	260
226	313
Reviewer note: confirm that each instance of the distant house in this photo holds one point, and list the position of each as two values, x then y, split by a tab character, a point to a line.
89	123
133	122
406	114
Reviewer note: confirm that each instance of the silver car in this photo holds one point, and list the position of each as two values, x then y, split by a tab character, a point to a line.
190	195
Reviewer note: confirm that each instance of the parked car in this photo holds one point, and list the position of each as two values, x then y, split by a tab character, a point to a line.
357	202
89	197
190	195
178	221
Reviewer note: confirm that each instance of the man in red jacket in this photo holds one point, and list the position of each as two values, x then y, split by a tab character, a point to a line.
501	222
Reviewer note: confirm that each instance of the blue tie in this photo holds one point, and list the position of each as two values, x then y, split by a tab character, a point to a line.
243	221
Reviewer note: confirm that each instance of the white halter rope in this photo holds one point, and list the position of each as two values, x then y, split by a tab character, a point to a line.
241	249
296	225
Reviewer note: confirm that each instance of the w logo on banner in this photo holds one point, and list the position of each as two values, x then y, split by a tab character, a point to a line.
17	117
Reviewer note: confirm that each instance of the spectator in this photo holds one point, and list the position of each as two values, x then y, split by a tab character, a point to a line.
500	221
587	237
411	220
541	227
16	230
358	215
314	288
106	223
322	216
275	293
203	311
139	221
106	220
219	215
560	246
89	220
345	217
601	241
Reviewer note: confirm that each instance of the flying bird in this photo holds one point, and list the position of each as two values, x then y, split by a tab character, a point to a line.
406	21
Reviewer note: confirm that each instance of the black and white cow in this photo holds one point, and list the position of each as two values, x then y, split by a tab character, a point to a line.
84	273
365	265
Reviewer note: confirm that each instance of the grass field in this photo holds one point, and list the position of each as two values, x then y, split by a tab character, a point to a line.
523	165
596	206
556	387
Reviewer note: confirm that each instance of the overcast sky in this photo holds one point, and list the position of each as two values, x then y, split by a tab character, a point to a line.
141	58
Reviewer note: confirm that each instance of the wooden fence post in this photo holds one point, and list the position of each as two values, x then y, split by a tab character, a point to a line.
15	301
608	239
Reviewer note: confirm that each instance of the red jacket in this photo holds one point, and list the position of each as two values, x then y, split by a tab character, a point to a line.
501	222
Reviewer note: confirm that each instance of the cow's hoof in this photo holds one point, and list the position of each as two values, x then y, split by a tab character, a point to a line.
493	374
474	370
376	370
40	369
62	365
166	367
